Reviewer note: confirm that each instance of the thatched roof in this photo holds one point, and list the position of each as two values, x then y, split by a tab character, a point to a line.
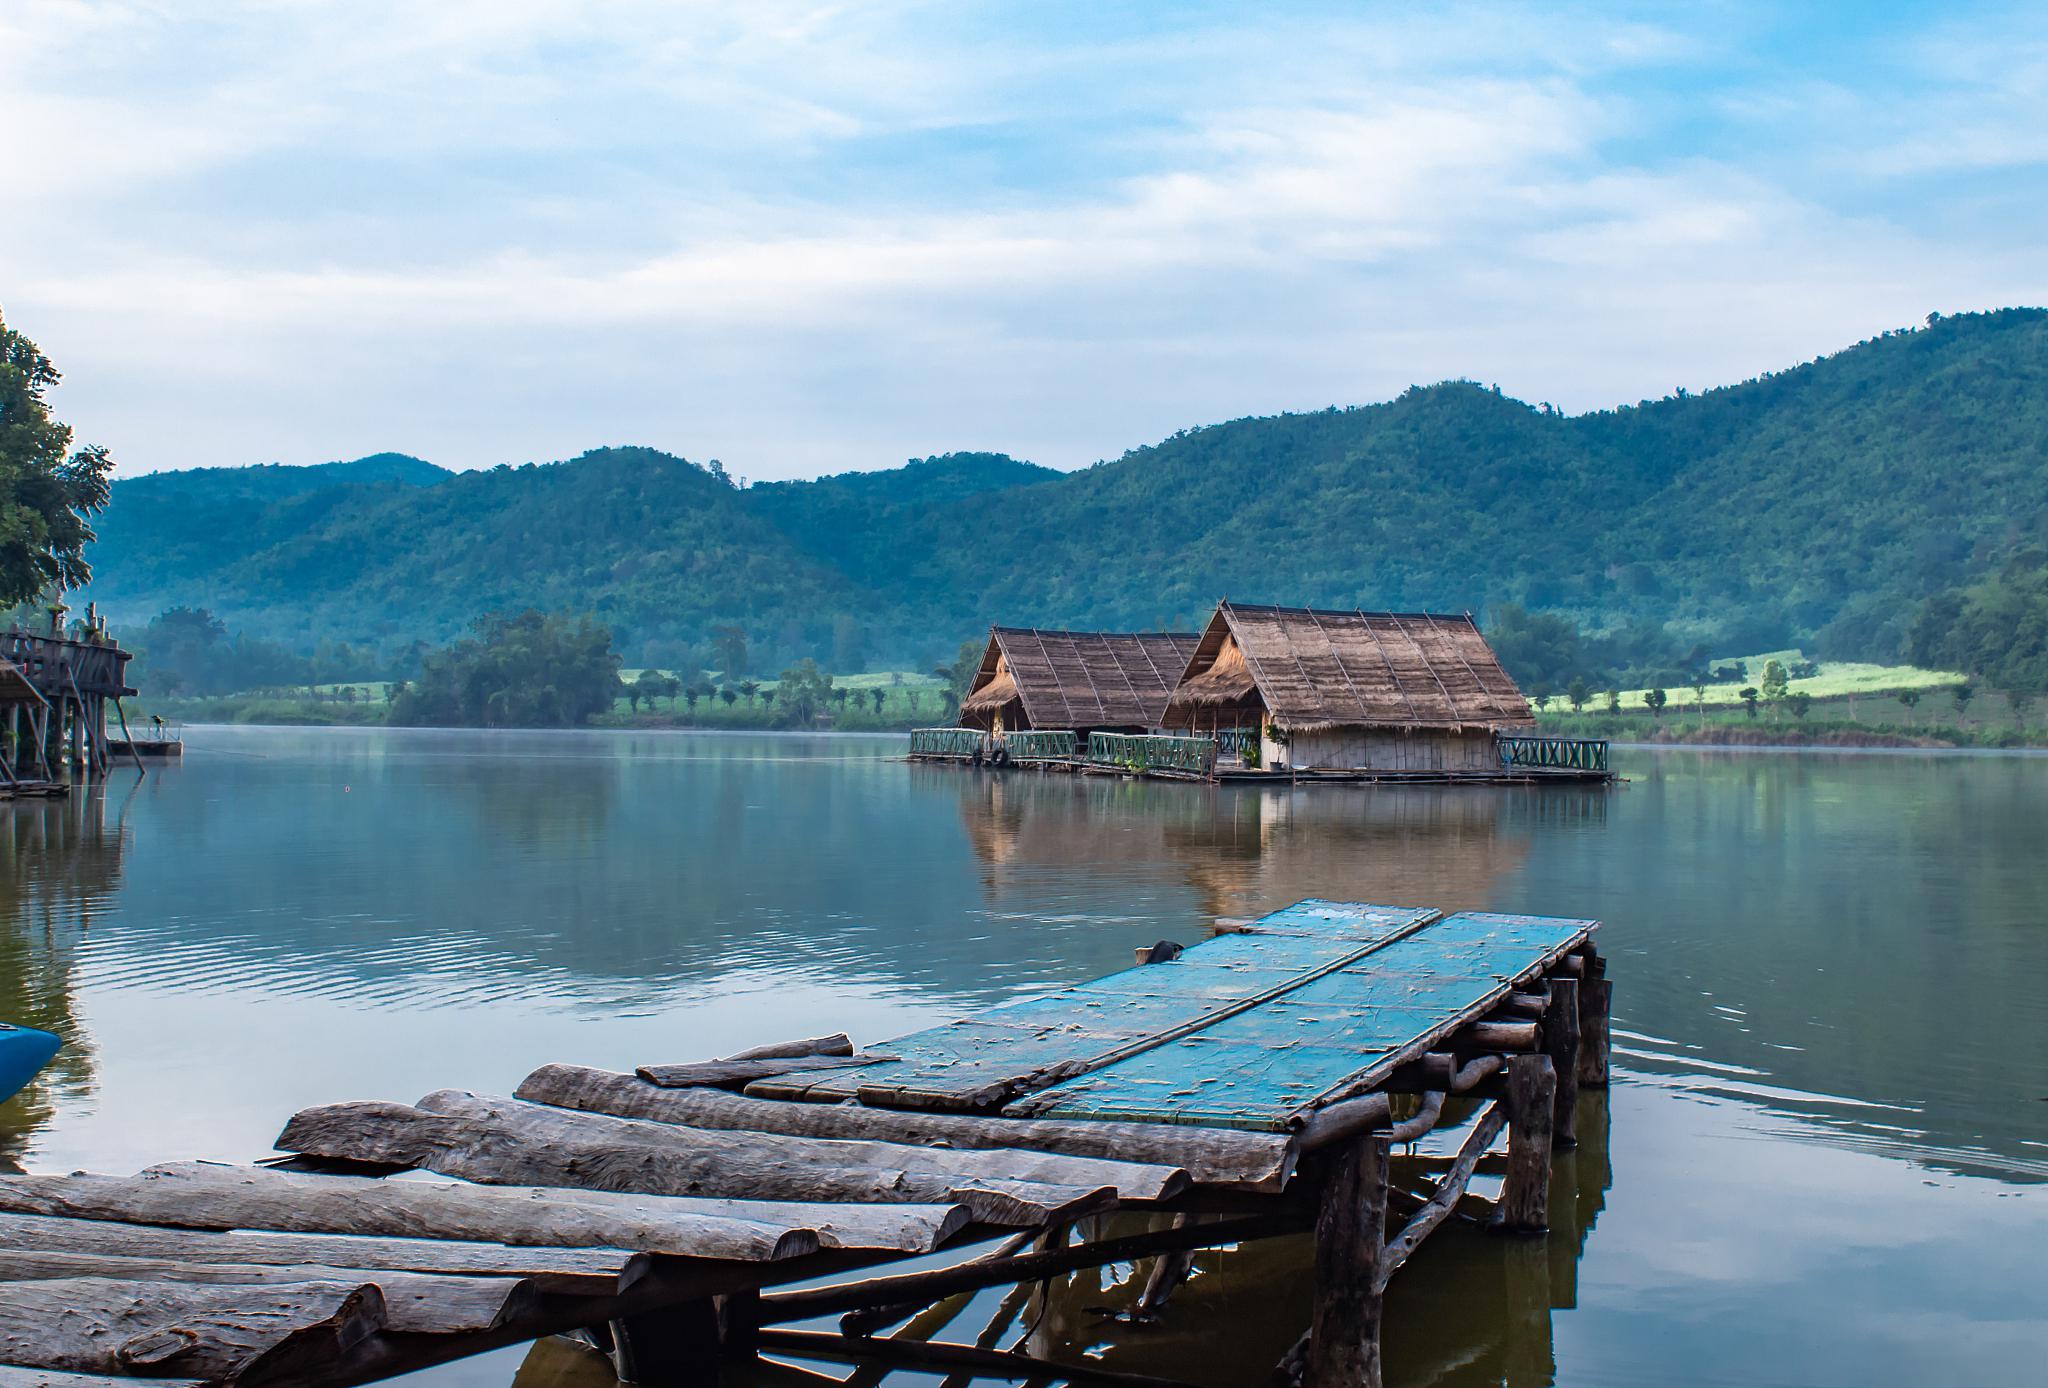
1311	669
1080	679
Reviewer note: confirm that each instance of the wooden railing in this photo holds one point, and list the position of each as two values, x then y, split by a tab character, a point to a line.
947	742
1561	753
58	665
1040	745
1194	755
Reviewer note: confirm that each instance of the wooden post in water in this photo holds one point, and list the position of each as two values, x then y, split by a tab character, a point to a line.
1561	1044
1351	1229
1532	1112
1596	1004
682	1346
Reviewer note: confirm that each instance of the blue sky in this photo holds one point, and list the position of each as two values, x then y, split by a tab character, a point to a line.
804	238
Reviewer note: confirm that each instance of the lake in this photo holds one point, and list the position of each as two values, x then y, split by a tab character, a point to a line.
1824	1159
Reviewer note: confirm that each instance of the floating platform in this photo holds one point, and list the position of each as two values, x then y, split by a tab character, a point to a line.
147	748
34	790
1242	1088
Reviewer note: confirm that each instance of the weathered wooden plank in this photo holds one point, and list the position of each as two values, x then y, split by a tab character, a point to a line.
475	1150
1132	1180
269	1334
1341	1033
1120	1015
556	1269
204	1196
1258	1161
414	1302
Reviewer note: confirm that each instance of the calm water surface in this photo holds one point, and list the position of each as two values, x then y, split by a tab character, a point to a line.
1824	1160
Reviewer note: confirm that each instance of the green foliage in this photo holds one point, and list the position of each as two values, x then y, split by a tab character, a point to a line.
530	670
1654	700
1996	628
959	675
804	689
187	650
1775	681
1799	702
47	491
1577	692
1750	694
1815	507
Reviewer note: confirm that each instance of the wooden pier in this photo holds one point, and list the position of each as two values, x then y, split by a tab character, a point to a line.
54	696
1248	1086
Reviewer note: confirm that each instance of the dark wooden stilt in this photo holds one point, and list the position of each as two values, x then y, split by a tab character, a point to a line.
1561	1044
1351	1231
682	1347
1596	1000
1532	1112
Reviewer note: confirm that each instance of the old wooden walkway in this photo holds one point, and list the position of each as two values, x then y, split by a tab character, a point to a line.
1245	1087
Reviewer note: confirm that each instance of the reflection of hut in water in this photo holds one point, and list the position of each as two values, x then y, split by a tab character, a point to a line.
1351	691
1079	681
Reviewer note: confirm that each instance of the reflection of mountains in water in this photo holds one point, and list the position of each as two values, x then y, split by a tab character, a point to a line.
60	862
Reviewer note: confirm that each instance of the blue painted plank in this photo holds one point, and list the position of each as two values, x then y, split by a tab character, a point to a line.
1340	1032
1028	1044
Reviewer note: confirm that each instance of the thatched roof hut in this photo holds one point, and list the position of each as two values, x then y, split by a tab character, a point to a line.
1077	680
1338	683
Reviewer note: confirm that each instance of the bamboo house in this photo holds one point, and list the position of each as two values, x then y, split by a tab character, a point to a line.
1350	691
1079	681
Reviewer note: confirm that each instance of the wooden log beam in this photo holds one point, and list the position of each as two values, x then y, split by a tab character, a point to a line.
1134	1181
1211	1156
416	1302
1561	1044
202	1196
1492	1037
731	1074
15	1376
802	1304
838	1043
1424	1119
1448	1192
399	1135
1367	1113
976	1363
1531	1103
1351	1229
1523	1005
572	1270
257	1335
1596	1005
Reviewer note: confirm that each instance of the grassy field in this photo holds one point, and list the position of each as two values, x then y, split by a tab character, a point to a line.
1836	679
1987	720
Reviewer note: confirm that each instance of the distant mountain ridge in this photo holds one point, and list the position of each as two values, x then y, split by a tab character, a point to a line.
1818	505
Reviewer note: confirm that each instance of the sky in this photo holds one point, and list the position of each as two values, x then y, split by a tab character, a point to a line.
806	238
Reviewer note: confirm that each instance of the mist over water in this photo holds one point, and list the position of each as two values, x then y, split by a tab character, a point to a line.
1824	1160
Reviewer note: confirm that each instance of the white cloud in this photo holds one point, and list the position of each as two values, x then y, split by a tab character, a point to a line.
804	236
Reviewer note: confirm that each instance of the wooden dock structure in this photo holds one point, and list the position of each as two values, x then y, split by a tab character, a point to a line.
54	694
1245	1087
1521	759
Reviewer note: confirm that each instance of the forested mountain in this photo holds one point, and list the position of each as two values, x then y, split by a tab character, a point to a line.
1818	505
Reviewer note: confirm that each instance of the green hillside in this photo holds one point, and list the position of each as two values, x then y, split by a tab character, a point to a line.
1815	507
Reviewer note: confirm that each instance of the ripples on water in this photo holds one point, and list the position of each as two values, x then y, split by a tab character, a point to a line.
1831	970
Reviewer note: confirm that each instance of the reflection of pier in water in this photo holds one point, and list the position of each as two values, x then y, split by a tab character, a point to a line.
1247	851
60	861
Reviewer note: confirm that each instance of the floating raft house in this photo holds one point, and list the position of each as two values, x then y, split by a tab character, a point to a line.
1243	1088
1263	694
